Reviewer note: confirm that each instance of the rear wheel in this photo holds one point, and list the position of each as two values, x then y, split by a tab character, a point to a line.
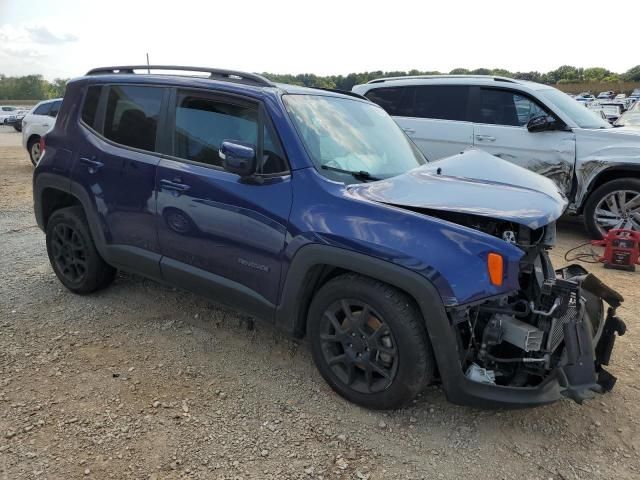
614	205
72	253
369	342
34	150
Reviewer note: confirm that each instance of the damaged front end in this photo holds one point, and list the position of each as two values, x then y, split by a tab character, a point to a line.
553	331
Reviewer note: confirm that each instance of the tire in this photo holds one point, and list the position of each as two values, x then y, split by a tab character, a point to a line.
34	150
73	254
384	333
597	208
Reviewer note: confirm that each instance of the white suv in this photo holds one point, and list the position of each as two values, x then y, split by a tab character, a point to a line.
36	123
535	126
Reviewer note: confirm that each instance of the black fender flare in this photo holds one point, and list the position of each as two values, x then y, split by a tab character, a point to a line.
125	257
290	317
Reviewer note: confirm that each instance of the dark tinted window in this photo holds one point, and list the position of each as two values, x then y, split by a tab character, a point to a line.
445	102
43	109
90	107
388	98
202	124
55	108
272	157
503	107
132	116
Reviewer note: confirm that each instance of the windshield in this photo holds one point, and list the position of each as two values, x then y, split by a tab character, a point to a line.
583	117
351	135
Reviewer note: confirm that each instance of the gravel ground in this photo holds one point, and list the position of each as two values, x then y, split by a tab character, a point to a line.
144	381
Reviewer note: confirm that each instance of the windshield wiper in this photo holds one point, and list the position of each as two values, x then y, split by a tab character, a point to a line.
357	174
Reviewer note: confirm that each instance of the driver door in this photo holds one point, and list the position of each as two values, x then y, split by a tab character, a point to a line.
500	128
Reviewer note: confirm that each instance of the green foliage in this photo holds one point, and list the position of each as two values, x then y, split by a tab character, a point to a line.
632	75
35	87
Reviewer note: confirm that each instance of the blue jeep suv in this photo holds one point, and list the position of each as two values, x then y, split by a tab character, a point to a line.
312	210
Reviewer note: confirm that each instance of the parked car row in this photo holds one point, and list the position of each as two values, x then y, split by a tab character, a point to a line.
10	115
404	259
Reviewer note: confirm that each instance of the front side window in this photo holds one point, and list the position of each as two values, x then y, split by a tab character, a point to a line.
202	124
504	107
132	115
43	109
351	135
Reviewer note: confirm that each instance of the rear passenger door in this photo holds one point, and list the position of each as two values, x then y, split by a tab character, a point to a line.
219	235
115	166
435	117
501	116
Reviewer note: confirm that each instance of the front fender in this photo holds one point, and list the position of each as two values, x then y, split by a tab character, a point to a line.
452	257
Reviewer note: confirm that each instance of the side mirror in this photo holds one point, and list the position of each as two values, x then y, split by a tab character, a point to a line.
238	158
543	123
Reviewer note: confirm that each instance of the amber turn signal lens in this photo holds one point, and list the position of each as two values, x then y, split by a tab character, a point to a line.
495	265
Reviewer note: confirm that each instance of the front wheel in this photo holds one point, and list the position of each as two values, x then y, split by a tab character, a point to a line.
369	342
613	205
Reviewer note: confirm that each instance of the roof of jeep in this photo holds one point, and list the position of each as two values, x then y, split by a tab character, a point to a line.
254	85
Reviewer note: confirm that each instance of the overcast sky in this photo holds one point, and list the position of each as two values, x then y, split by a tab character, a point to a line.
65	38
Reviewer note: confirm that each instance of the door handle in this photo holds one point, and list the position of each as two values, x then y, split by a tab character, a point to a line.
174	186
485	138
409	131
92	165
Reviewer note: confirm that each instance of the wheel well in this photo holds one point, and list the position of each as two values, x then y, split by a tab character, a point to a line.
607	176
53	199
315	278
33	137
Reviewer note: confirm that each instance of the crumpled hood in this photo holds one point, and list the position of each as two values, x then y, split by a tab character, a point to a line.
472	182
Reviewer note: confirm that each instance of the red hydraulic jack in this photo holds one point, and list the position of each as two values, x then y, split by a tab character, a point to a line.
621	249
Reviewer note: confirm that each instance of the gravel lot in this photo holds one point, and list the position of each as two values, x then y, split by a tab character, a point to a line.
144	381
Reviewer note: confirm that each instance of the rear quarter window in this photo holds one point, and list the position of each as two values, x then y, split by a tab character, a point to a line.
388	98
90	106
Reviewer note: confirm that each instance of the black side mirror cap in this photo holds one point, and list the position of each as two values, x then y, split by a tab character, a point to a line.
238	158
543	123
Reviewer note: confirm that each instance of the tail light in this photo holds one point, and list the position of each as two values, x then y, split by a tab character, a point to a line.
42	146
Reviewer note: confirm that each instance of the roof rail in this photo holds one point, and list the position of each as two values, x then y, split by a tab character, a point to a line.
343	92
418	77
214	73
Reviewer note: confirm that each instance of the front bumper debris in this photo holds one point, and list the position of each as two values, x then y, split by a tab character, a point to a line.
587	339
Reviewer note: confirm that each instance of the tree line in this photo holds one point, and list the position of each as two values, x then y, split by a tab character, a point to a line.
36	87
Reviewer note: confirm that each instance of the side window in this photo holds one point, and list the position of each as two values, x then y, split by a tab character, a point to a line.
527	109
202	124
132	115
443	102
503	107
388	98
273	160
43	109
55	108
90	107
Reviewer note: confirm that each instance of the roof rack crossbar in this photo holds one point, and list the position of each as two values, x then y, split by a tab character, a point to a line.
214	73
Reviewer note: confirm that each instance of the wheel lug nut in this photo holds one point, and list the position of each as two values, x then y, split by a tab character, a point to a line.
353	334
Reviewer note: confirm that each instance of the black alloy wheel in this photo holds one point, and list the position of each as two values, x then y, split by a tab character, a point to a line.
358	346
69	253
